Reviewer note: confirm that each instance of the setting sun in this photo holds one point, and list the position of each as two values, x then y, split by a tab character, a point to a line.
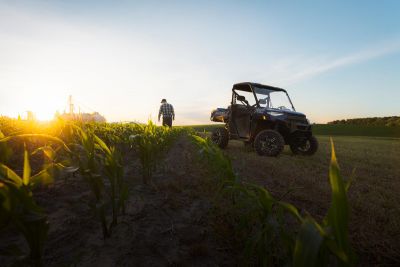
43	103
44	115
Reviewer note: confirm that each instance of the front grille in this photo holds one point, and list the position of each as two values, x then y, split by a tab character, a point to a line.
297	119
304	128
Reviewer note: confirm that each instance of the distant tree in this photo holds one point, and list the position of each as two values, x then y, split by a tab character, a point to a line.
376	121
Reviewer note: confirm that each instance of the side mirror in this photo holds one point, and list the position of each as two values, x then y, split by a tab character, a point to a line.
240	98
262	101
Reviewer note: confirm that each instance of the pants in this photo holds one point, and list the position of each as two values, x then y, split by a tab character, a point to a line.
167	121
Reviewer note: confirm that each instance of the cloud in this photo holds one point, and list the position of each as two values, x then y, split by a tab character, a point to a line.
45	52
317	66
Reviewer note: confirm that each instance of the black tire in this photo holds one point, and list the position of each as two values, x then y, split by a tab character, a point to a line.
269	143
220	137
306	148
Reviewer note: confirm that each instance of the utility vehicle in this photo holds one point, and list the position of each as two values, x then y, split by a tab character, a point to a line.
264	117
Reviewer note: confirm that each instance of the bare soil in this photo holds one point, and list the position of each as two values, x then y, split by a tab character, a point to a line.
171	222
167	223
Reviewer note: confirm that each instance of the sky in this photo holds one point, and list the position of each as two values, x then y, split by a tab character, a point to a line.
337	59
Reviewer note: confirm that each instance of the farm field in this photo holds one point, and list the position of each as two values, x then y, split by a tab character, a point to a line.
374	164
335	130
199	133
142	195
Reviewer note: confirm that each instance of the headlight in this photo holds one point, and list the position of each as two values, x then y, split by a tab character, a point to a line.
274	113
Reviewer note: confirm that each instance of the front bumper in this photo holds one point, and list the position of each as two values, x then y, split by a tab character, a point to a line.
298	124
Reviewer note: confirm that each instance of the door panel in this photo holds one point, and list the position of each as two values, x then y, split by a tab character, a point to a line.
241	116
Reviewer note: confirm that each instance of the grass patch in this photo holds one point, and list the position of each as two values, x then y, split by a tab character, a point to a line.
332	130
373	197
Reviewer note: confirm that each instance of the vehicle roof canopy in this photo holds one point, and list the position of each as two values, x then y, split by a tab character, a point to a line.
246	86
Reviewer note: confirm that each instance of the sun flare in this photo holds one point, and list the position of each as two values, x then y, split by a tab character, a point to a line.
43	104
44	114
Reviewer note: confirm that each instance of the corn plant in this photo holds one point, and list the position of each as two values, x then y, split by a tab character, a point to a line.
5	151
151	143
316	242
96	158
17	206
90	170
263	219
114	172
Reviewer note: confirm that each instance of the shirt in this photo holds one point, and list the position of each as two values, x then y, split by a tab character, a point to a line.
167	110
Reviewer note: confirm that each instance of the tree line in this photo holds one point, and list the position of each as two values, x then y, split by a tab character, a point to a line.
375	121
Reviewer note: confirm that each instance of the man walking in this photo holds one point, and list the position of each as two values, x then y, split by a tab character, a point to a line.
167	111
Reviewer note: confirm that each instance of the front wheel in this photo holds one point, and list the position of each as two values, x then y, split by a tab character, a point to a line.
220	137
269	143
306	147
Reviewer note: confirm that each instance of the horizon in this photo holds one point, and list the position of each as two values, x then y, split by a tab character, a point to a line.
57	113
337	61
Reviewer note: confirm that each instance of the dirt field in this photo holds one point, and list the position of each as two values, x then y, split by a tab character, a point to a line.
166	223
374	193
170	223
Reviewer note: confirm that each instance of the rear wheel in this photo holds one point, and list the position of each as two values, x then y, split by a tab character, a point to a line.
269	143
305	146
220	137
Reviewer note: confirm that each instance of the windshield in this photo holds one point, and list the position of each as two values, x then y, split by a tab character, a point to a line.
273	99
249	97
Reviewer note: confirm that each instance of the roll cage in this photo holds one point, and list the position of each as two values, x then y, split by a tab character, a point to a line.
249	87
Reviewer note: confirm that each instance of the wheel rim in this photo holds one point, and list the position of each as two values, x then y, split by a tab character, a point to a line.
216	137
269	144
305	147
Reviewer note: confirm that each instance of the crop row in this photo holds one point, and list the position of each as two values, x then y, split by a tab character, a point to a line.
90	150
275	232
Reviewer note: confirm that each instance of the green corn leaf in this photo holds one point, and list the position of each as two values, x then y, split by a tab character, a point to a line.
48	151
308	244
292	210
43	177
103	145
27	168
7	173
5	151
67	169
336	250
338	214
264	197
45	136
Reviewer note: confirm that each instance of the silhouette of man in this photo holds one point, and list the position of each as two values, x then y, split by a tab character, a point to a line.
167	111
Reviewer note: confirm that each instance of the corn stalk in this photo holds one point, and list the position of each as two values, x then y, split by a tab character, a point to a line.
262	218
151	143
97	158
17	206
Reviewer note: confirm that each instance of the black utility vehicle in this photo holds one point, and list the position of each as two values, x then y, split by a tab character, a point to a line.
264	117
